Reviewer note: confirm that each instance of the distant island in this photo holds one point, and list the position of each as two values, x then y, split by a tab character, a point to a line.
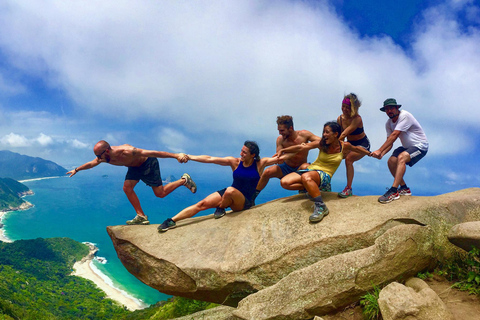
21	167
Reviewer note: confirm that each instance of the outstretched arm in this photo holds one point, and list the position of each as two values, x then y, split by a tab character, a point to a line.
349	147
299	147
265	162
181	157
387	145
84	166
223	161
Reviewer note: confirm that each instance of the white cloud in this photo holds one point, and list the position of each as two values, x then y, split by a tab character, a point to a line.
15	140
173	140
78	144
215	68
44	140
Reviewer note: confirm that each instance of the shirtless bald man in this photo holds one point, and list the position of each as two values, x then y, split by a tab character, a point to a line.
142	165
288	137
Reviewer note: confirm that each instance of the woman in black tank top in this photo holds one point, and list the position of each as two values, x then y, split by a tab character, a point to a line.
352	129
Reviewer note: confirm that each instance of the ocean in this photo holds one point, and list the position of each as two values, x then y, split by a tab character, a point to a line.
83	206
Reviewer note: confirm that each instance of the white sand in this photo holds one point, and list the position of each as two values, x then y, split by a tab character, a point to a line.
3	238
83	269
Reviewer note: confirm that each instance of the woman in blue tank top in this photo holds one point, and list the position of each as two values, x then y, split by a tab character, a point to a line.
239	196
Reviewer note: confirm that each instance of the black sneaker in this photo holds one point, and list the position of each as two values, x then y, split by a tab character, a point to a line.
319	212
167	224
389	196
220	212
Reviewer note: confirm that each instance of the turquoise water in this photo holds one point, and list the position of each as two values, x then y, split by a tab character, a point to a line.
83	206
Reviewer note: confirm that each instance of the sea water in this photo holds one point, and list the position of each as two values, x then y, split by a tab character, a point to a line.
83	206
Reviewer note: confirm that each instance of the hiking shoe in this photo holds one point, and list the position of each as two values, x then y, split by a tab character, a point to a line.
167	224
189	183
347	192
143	220
389	196
319	212
404	191
220	212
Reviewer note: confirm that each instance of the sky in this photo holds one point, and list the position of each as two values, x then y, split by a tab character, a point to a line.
204	76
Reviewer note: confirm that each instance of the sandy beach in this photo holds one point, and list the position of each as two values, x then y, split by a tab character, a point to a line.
84	269
3	238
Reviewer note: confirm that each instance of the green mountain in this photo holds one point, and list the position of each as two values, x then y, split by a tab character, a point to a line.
19	167
11	192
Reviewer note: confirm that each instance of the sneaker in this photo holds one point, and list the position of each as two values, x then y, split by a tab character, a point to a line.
189	183
303	191
389	196
404	191
143	220
167	224
319	212
220	212
347	192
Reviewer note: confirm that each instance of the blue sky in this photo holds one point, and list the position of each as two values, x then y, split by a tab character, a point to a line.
203	76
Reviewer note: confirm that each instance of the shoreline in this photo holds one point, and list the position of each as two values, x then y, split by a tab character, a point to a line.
3	237
87	270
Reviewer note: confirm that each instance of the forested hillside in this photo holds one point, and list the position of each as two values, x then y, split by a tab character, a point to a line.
35	283
10	193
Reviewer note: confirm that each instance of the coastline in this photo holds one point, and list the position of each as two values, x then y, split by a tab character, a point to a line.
3	237
87	270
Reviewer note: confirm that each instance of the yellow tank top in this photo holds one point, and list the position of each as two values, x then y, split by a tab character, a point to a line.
327	162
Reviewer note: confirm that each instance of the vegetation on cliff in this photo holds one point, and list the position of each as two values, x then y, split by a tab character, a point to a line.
35	283
11	192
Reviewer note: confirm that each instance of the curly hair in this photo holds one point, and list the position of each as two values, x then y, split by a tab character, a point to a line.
285	120
355	103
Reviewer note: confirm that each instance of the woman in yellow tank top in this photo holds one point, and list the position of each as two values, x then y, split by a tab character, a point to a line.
318	175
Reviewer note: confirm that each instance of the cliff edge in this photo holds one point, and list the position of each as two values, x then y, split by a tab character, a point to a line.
270	262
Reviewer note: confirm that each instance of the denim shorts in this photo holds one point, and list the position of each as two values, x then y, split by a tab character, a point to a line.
325	179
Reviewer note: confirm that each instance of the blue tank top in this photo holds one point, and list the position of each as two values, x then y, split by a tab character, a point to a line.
245	179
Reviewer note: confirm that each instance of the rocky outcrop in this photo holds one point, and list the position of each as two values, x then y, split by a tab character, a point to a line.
414	300
466	235
271	255
337	281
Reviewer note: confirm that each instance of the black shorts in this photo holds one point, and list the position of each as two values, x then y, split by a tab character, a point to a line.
148	172
246	205
364	142
415	154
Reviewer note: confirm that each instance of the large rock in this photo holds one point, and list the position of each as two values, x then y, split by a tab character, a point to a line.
228	259
414	300
466	235
331	283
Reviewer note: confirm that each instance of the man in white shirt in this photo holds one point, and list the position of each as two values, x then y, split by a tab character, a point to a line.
403	125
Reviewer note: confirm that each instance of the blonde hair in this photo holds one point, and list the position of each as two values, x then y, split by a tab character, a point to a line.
354	104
